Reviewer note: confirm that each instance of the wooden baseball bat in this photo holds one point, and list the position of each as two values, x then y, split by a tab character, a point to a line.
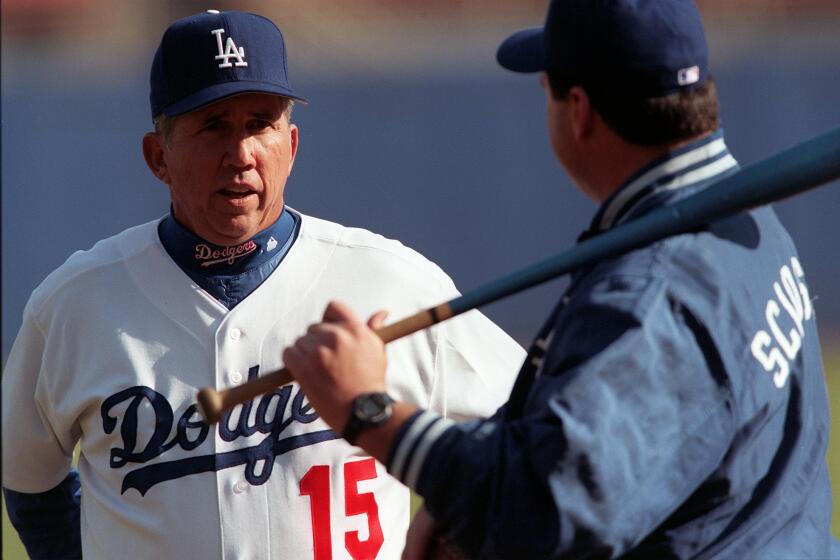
790	172
212	403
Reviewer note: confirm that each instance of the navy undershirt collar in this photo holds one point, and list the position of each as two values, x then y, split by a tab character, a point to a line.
229	274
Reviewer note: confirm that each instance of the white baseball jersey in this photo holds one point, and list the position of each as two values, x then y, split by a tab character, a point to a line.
116	342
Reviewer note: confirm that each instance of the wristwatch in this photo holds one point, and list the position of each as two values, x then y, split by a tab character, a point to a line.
369	410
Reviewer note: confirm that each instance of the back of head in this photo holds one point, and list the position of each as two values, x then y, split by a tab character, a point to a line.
643	63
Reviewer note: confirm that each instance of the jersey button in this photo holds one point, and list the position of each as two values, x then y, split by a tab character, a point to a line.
235	334
240	487
236	377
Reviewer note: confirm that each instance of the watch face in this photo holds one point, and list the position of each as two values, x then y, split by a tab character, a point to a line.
373	407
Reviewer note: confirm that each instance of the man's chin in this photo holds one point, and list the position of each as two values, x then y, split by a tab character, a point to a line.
233	232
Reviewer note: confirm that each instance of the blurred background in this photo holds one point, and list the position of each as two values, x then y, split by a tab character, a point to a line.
411	131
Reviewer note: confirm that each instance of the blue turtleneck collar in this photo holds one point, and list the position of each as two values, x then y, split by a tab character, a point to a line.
229	273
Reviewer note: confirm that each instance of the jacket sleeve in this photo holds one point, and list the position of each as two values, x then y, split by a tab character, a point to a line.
608	443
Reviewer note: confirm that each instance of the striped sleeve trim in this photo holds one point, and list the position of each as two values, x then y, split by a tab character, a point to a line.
416	442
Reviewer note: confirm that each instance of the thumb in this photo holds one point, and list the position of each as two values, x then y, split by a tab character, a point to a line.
377	319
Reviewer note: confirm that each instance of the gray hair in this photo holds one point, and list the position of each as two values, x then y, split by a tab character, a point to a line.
164	124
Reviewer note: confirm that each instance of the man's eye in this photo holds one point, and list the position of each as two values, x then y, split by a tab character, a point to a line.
260	124
213	125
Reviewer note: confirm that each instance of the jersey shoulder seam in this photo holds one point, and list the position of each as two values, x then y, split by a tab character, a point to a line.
43	295
400	251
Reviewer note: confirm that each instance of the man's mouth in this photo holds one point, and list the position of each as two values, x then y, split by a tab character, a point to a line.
236	193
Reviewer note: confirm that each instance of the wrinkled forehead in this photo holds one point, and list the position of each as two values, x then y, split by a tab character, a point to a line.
244	104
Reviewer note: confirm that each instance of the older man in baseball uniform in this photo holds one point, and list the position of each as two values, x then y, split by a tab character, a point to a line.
116	341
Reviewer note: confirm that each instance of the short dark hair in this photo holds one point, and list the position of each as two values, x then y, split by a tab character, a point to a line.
650	121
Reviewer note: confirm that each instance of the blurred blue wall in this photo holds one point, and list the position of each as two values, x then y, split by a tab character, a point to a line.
459	169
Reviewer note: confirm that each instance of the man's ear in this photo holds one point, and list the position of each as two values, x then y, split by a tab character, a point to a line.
294	136
582	113
153	148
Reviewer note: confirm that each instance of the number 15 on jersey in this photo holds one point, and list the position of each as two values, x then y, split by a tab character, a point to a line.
316	484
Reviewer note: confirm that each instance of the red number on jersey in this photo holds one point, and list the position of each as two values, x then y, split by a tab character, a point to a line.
316	484
355	503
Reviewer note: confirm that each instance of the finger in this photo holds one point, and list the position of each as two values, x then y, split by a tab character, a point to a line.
309	343
377	319
337	312
292	359
322	333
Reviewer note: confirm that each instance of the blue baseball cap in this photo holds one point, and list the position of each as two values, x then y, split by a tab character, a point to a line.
213	55
647	47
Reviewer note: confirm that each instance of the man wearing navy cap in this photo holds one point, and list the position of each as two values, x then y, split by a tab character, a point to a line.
116	342
673	405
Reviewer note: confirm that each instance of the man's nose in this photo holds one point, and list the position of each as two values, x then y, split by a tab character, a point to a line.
240	152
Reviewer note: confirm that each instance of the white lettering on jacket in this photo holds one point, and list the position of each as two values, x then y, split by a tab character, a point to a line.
773	347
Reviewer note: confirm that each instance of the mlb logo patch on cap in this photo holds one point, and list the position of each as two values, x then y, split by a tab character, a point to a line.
688	76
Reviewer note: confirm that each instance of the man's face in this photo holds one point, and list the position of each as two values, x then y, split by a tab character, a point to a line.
226	166
555	115
567	148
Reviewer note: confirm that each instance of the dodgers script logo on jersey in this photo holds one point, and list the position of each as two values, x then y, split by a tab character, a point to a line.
191	431
210	256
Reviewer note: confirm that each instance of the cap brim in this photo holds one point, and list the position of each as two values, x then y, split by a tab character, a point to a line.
523	51
220	91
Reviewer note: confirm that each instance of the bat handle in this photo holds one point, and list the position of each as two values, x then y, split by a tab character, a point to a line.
417	322
212	403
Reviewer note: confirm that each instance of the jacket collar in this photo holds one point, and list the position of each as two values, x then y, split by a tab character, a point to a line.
697	164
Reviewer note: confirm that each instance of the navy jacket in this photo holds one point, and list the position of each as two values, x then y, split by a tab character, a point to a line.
673	405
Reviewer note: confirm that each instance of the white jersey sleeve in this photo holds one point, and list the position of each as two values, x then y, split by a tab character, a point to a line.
37	449
477	365
462	368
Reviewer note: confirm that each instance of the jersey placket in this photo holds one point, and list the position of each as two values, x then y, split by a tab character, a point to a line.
237	478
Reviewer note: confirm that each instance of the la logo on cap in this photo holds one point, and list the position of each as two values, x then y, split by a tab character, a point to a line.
228	51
